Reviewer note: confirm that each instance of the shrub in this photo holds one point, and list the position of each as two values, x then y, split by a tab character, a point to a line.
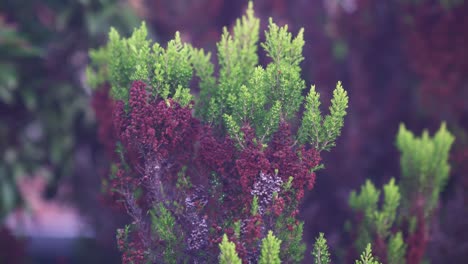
236	169
399	227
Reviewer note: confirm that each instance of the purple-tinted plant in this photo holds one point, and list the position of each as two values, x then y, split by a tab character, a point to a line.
240	168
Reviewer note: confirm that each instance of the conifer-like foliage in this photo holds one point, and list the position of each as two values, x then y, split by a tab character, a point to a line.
398	224
320	251
167	71
234	171
424	164
270	252
396	249
322	255
263	96
228	253
322	132
375	220
366	257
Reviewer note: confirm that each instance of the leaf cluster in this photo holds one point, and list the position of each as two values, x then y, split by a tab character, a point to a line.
322	255
424	164
228	254
163	225
367	201
243	93
320	252
247	93
424	172
366	257
318	131
167	71
270	250
378	220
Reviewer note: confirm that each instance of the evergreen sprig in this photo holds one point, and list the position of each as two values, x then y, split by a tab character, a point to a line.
424	172
284	73
366	257
376	220
424	164
386	217
270	250
228	254
163	225
129	60
167	71
237	57
320	252
318	131
396	249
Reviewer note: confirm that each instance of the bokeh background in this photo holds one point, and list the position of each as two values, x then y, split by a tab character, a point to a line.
400	60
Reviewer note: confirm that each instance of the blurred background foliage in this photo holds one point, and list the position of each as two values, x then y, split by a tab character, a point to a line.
400	60
44	105
45	114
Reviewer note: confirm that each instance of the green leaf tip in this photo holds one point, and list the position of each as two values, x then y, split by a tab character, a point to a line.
320	251
228	254
321	132
424	164
270	250
367	257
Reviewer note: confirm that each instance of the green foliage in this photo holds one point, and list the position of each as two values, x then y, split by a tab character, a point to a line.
396	249
237	56
163	224
293	248
204	70
386	217
182	95
228	254
270	250
168	71
366	257
318	131
237	228
183	182
320	251
376	220
123	235
243	93
425	169
283	75
96	72
172	69
424	165
366	200
366	203
130	60
261	97
254	210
